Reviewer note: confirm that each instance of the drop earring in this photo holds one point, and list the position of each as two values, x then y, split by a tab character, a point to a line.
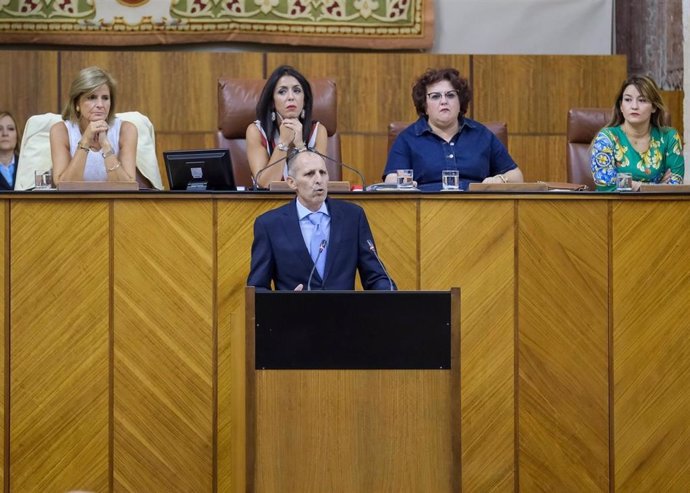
301	115
273	116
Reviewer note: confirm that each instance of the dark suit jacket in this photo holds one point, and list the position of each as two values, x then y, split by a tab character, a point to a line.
3	183
279	253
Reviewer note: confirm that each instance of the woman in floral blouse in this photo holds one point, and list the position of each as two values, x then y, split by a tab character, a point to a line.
635	141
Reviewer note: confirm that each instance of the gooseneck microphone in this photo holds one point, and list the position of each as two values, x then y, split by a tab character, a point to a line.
322	247
255	179
372	248
287	157
340	163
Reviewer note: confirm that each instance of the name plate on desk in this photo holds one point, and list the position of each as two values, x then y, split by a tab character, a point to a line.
333	186
508	187
664	188
97	186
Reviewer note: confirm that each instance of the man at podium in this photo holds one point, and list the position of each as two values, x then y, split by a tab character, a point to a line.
314	242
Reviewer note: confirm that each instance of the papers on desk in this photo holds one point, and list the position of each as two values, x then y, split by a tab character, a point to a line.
389	187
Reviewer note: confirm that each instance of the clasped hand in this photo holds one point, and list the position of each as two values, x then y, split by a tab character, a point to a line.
96	135
291	132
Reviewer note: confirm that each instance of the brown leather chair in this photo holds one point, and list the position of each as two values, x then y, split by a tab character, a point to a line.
237	100
499	129
583	126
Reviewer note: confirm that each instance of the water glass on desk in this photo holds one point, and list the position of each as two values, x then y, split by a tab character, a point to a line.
405	179
450	179
43	180
624	182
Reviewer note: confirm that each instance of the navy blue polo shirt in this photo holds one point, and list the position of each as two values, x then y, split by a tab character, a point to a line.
475	151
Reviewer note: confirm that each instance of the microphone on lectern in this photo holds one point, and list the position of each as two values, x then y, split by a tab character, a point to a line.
340	163
372	248
322	247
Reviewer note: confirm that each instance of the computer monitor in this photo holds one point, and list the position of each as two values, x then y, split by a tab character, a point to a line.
199	170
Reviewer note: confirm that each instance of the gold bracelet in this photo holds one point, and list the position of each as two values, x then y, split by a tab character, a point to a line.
503	178
83	148
117	165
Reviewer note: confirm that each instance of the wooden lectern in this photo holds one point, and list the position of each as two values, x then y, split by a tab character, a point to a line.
353	391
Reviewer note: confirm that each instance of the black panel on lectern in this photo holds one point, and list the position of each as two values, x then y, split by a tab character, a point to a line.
353	330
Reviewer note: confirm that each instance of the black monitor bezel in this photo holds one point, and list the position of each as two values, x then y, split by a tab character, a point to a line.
219	178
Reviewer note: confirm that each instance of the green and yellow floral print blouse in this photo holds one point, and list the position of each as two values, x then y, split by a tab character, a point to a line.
612	152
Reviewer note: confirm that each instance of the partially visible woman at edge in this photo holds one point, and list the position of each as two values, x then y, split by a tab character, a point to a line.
90	144
636	141
9	150
283	122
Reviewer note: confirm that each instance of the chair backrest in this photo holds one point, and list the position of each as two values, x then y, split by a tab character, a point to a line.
237	99
34	153
499	129
583	126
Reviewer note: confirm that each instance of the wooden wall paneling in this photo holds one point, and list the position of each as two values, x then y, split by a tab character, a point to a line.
373	88
176	90
235	221
563	340
674	103
394	226
540	157
533	93
59	355
651	368
171	141
367	153
30	85
470	244
164	345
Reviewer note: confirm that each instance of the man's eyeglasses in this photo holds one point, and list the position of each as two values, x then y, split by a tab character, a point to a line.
436	96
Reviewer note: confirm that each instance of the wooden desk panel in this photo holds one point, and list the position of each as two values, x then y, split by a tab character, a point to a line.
651	345
131	371
59	333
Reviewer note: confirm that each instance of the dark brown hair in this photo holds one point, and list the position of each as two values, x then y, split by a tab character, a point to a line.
432	76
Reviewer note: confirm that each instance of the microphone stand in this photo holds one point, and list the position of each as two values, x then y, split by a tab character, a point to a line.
340	163
373	250
322	247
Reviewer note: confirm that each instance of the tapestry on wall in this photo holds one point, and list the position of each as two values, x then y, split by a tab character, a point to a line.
375	24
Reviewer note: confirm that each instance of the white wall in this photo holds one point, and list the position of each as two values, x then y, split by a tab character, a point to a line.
534	27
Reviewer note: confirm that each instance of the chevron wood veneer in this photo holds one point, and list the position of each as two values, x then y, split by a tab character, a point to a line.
163	259
235	236
470	244
125	332
651	345
563	407
59	346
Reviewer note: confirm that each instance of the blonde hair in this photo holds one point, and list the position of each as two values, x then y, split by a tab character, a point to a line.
88	80
19	134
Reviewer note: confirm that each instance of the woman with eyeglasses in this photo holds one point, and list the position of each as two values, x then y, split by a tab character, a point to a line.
443	138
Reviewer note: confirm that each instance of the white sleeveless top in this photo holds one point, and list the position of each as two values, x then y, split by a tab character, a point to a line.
94	170
264	138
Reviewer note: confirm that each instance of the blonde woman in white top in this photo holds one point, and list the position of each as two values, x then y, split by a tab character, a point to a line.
90	144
